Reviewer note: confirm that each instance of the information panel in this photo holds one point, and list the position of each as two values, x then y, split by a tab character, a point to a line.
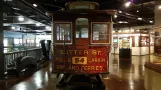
94	60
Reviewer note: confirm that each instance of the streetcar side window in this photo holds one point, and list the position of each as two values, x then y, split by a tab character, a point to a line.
63	32
100	33
82	28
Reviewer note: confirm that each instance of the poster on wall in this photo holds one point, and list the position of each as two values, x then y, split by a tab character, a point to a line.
144	42
151	41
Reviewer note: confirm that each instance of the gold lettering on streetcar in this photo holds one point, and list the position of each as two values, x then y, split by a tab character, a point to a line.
59	59
60	67
91	68
69	60
80	52
97	67
61	51
74	52
86	68
75	68
97	60
79	60
99	52
86	52
94	52
70	51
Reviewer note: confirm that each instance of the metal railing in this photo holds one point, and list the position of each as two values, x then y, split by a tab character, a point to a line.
11	57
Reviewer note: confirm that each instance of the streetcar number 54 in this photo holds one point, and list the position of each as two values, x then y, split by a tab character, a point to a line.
79	60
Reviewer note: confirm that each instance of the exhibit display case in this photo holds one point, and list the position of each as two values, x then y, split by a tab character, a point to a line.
140	43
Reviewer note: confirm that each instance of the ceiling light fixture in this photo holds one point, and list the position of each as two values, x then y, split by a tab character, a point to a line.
16	8
21	18
140	19
137	11
35	5
115	16
122	22
127	4
159	7
127	14
151	21
132	30
47	27
119	30
120	11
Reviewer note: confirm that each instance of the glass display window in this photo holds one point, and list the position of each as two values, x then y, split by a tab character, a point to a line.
16	41
5	42
144	41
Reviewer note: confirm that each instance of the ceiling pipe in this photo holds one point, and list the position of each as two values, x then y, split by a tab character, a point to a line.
53	6
26	3
136	6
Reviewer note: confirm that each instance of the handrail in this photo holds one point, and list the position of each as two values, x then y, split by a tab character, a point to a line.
10	58
21	51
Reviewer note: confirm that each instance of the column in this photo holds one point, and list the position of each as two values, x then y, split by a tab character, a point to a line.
157	30
157	13
2	77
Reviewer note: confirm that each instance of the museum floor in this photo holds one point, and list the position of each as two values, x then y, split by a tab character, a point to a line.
121	77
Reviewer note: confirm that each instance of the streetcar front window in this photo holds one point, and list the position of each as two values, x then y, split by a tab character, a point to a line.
100	32
82	28
63	32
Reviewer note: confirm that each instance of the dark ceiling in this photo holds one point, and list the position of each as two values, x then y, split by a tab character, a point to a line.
145	9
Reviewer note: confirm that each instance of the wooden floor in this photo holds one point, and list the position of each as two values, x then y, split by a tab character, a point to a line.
121	77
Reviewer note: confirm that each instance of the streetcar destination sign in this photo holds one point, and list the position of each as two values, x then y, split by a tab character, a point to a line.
81	61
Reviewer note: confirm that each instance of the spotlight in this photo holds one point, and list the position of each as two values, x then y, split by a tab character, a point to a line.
35	5
132	30
21	18
119	30
37	24
47	27
159	6
13	27
140	19
127	4
137	11
120	22
127	14
151	21
120	11
115	16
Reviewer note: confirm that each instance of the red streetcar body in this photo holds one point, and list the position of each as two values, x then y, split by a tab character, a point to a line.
81	41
